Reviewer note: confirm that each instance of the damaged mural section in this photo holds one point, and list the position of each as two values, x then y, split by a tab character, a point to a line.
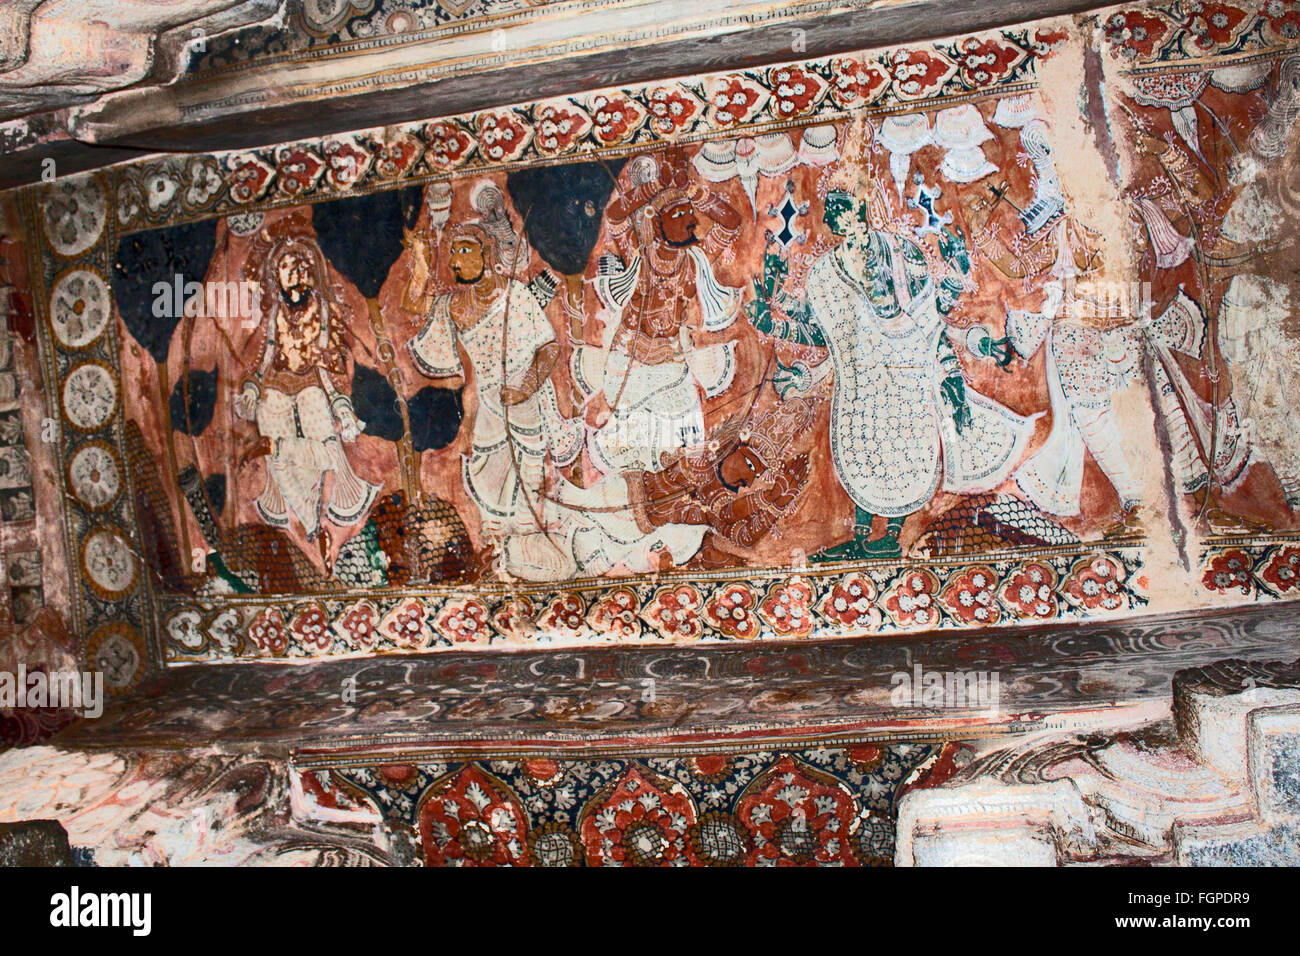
951	336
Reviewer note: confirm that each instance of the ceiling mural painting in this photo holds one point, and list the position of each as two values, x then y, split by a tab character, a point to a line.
893	341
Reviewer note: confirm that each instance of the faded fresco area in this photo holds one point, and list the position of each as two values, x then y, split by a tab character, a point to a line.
953	336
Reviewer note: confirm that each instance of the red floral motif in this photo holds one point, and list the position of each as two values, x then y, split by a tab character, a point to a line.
514	618
1283	18
396	155
473	819
311	627
855	82
734	99
449	145
672	109
358	625
1135	34
972	596
1030	591
851	602
1214	24
345	162
731	610
248	179
797	816
917	72
641	820
268	633
674	612
503	135
297	170
405	625
616	615
464	622
984	62
1044	42
1229	571
616	118
1282	573
794	91
1096	583
788	608
559	127
911	601
564	616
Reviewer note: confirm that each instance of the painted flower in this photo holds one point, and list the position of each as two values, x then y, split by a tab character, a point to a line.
672	109
911	600
1214	24
674	612
358	625
918	72
464	622
788	608
405	625
984	62
396	154
268	633
248	178
449	145
311	628
797	816
297	169
1135	34
794	91
565	616
1096	583
733	100
559	128
203	179
1030	591
514	618
345	161
730	609
473	819
1228	571
1283	18
851	603
160	187
616	118
972	598
642	820
1282	573
503	135
617	615
855	82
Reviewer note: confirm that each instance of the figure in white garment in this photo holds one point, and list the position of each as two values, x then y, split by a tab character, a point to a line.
902	419
303	420
643	383
511	346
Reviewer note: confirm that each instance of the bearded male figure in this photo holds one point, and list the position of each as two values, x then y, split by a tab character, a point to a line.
511	346
303	419
902	418
643	385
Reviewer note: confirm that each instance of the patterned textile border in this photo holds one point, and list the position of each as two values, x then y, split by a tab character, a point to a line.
872	598
1256	569
1152	37
77	222
820	807
603	122
111	603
